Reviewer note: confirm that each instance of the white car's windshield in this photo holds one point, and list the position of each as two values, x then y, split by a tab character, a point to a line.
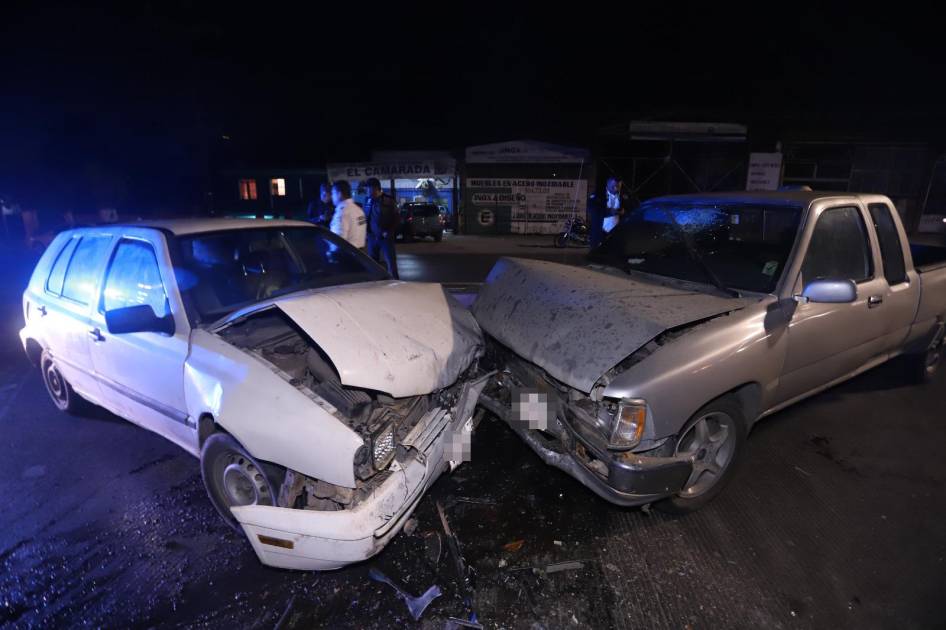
226	270
738	246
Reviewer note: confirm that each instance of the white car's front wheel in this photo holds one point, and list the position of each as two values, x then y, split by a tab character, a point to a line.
233	478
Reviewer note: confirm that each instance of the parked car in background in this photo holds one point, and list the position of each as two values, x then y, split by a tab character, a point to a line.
419	220
642	373
321	396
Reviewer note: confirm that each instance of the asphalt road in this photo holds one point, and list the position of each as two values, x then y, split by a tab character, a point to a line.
835	519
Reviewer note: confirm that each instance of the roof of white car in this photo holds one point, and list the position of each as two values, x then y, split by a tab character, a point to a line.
182	227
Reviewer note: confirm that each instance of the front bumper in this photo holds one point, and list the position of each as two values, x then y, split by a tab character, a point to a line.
631	479
316	540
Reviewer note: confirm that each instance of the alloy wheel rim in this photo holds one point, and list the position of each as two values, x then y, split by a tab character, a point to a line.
709	444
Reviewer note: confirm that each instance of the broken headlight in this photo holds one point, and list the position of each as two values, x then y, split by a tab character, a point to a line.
383	447
628	424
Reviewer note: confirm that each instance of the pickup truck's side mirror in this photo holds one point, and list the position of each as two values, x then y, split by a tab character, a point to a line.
138	318
830	292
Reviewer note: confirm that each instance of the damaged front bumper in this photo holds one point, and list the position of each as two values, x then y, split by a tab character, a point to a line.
623	478
320	540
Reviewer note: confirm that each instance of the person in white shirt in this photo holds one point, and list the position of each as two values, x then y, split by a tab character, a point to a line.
349	220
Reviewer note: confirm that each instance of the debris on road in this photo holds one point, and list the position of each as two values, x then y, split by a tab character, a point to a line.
514	546
563	566
415	605
454	622
285	615
453	544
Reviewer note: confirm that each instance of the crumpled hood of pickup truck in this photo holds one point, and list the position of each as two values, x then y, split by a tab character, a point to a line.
401	338
577	323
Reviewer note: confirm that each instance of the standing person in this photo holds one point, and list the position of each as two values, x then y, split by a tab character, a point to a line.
605	210
321	211
348	219
383	218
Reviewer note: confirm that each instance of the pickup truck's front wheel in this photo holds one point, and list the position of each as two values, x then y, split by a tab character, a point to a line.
232	477
713	441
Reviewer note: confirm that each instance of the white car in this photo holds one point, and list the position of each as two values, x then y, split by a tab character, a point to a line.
322	397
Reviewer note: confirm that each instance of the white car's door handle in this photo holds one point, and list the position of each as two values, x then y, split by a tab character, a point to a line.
42	310
96	335
875	300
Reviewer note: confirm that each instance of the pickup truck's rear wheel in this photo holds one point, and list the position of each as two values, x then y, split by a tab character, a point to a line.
64	397
233	478
927	364
713	441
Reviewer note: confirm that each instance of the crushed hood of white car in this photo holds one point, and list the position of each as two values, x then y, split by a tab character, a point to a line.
577	323
400	338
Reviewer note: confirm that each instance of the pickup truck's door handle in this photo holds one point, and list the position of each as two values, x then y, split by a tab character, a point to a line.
96	335
875	300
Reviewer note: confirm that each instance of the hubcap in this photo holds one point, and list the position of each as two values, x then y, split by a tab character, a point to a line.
57	387
709	444
243	483
932	359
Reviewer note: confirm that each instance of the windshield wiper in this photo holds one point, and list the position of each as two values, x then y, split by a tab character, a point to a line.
698	258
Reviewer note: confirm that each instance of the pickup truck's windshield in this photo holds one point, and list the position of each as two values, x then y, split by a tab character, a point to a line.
227	270
741	246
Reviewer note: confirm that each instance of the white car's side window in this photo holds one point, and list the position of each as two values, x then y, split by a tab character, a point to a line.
133	278
58	273
79	282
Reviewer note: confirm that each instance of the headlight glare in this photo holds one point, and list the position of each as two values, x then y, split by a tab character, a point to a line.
628	426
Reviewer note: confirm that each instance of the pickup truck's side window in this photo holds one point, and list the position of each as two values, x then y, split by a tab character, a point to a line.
58	273
133	278
839	248
891	253
79	282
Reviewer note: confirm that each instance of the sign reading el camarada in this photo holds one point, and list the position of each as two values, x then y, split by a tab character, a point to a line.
391	170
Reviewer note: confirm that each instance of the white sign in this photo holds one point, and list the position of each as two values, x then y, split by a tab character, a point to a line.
933	223
765	171
537	206
410	169
525	152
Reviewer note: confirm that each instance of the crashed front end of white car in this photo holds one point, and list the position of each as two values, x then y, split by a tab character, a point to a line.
380	380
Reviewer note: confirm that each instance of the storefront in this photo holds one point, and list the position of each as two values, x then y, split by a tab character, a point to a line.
523	187
429	176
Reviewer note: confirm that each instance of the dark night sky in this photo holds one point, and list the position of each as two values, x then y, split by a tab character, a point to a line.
130	102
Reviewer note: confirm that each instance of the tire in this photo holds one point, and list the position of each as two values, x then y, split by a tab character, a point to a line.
716	459
438	236
560	240
925	366
232	477
60	391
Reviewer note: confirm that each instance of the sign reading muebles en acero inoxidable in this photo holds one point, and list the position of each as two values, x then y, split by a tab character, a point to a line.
534	206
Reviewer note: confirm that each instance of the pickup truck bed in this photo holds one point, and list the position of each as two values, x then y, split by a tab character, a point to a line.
928	257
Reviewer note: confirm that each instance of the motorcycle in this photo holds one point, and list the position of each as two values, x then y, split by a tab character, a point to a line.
574	231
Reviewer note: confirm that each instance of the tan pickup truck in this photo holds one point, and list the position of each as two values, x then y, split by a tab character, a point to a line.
642	373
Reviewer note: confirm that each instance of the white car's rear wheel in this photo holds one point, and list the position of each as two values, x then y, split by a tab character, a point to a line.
60	391
233	478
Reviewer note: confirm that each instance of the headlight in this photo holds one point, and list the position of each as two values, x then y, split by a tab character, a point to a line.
628	426
382	447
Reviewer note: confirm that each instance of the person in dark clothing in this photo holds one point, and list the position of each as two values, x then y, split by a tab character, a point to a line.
606	210
383	218
321	210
